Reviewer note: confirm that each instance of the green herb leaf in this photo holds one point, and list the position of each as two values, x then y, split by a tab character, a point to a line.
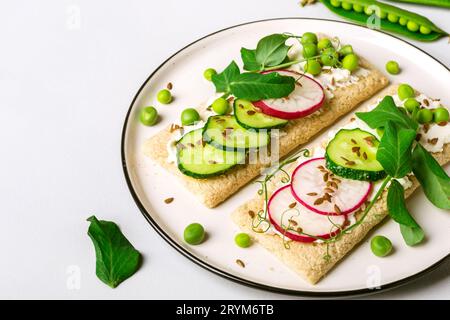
412	236
399	213
434	180
222	80
256	86
249	59
394	151
384	112
271	50
116	258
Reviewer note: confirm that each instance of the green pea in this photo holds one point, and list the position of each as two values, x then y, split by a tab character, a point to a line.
148	116
368	10
313	67
412	26
424	116
358	7
329	57
345	50
208	73
220	106
164	96
440	115
309	37
381	246
392	17
381	14
309	50
347	5
424	30
335	3
194	233
411	104
392	67
243	240
189	116
350	62
405	91
324	43
402	21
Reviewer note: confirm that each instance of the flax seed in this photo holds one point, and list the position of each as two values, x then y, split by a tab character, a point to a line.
168	200
169	86
318	201
240	263
293	222
353	141
337	209
426	102
251	213
426	127
365	156
433	141
251	112
325	177
312	194
299	230
369	141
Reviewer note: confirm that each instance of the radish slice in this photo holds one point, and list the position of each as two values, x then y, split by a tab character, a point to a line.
285	211
312	184
307	97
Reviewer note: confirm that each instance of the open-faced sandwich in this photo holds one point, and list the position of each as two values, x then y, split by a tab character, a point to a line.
319	204
293	88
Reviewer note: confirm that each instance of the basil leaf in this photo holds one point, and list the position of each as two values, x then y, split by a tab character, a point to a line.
411	231
271	50
249	58
256	86
394	151
116	258
384	112
222	80
412	236
434	180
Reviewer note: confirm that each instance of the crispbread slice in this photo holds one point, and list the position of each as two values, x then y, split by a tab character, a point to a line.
213	191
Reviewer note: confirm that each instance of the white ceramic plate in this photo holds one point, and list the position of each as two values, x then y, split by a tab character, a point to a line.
360	271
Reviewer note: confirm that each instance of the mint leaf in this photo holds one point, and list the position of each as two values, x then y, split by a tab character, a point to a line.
256	86
394	151
412	233
384	112
434	180
222	80
249	59
271	50
116	258
412	236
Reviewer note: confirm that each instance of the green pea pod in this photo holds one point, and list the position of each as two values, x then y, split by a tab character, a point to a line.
437	3
361	18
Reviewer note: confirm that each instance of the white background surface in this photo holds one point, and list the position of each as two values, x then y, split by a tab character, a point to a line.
64	92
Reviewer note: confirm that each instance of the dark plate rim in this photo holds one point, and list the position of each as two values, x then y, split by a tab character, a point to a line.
227	275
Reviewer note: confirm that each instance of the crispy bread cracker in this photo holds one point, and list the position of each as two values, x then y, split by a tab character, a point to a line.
213	191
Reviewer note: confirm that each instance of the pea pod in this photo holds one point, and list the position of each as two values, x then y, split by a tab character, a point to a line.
433	32
437	3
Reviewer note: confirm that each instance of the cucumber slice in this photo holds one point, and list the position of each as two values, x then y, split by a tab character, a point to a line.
251	117
223	132
352	154
198	159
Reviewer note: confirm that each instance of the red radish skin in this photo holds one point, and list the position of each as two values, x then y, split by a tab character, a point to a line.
355	191
269	106
285	192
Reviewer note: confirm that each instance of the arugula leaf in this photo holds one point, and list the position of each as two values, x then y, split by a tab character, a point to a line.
222	80
394	151
384	112
412	236
116	258
434	180
256	86
271	50
249	58
411	231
